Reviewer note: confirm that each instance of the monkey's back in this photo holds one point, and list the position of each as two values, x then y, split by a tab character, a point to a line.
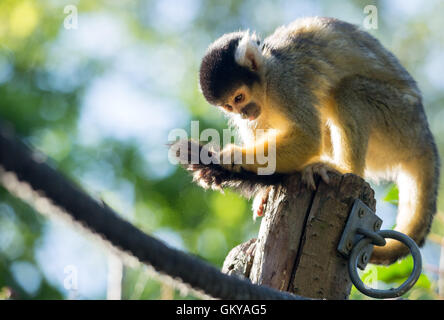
348	70
334	50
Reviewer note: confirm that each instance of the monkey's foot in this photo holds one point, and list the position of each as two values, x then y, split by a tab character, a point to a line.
319	168
260	203
261	209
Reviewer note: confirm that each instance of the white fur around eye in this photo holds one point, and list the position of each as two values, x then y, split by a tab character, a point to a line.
248	53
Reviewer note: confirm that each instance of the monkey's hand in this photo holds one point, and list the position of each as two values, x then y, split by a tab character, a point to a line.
204	165
227	158
320	168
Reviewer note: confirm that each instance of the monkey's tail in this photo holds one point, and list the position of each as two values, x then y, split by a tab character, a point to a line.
418	182
215	176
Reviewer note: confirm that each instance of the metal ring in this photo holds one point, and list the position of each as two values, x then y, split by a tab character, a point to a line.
376	238
393	292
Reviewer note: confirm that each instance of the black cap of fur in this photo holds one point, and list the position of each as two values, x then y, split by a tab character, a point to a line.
219	72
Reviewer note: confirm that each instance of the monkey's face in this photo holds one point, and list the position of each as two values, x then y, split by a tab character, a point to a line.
243	102
230	75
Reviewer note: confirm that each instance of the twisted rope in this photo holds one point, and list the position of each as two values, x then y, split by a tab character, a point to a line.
18	159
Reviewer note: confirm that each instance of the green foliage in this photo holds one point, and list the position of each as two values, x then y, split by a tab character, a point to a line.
384	277
81	97
392	195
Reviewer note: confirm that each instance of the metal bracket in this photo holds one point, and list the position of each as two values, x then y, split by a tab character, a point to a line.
362	217
361	232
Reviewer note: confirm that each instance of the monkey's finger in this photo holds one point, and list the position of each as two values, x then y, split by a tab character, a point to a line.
309	180
312	184
324	175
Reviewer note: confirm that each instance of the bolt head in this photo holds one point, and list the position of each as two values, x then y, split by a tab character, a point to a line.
364	258
377	225
349	245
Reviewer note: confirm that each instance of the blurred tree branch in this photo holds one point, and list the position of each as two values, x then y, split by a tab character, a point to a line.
29	177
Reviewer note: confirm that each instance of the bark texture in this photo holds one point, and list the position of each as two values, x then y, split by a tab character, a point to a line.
295	250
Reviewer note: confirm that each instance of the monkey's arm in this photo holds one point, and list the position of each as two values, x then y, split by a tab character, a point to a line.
239	167
297	152
283	152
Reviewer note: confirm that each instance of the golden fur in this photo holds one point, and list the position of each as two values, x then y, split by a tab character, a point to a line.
339	100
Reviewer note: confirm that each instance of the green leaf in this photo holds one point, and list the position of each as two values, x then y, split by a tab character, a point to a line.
392	195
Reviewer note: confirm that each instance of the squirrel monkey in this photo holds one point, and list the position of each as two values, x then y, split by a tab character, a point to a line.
338	101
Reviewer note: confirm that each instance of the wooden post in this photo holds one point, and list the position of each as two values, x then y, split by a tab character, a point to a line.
296	246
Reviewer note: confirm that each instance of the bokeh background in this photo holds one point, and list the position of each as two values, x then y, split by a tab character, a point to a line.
100	101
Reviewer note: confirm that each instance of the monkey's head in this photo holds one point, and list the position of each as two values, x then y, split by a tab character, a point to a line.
231	74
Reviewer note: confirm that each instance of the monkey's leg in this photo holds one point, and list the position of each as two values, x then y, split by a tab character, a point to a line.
327	147
350	129
350	148
326	162
282	153
290	155
403	141
260	202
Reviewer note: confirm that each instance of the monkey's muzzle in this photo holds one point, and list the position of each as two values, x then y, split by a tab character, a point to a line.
251	111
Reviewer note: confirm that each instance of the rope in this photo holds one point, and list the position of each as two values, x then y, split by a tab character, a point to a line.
18	159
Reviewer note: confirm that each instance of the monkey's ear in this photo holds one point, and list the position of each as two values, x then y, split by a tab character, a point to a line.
248	53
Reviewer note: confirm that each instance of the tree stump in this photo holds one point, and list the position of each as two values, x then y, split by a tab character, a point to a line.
296	246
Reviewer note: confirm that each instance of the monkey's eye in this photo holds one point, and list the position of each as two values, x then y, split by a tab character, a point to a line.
228	107
239	98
